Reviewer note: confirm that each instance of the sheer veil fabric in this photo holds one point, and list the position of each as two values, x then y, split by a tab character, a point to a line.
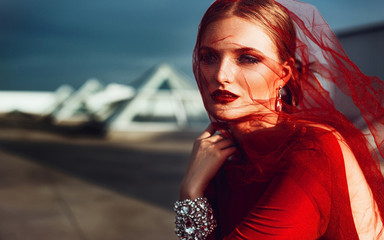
319	49
320	64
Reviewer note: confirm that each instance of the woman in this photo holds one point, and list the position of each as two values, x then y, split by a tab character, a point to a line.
278	161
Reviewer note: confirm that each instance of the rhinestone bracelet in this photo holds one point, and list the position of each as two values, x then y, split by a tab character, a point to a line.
194	219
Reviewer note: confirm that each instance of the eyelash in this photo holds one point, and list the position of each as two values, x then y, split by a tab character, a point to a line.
248	59
210	58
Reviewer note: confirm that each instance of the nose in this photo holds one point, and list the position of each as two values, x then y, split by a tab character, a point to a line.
225	72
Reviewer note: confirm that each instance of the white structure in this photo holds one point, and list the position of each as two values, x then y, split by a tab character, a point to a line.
162	100
33	103
74	109
104	103
165	100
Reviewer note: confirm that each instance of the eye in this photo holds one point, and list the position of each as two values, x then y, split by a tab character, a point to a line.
208	57
248	59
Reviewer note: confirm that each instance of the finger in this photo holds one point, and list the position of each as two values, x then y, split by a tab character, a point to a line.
228	151
209	131
215	138
225	143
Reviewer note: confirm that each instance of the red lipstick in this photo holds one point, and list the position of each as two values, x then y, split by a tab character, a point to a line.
223	96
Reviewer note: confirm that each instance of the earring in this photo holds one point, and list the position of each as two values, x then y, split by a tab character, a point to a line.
279	103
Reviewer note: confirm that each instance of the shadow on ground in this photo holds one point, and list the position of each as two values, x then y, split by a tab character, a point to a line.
151	176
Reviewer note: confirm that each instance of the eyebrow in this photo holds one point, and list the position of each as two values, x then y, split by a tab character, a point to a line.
248	49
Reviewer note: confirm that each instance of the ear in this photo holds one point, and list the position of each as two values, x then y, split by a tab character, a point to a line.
286	71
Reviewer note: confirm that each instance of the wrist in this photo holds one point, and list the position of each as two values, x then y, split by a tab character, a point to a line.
190	193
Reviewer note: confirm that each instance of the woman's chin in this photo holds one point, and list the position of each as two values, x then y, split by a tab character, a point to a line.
227	115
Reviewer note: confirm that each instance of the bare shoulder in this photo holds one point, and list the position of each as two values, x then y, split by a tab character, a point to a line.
345	148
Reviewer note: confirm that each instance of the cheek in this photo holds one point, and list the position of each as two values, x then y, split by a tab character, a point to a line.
261	85
205	85
207	74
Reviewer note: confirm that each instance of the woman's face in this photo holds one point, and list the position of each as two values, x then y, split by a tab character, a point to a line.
239	69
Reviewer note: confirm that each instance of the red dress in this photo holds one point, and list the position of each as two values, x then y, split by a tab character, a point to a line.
303	195
291	182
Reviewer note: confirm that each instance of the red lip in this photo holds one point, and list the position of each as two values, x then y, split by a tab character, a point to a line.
223	96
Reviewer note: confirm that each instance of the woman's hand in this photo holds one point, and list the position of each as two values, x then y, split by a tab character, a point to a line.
208	155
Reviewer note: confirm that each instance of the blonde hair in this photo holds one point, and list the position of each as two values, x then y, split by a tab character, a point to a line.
274	20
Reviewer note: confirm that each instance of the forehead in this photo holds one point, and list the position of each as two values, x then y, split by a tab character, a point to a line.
236	32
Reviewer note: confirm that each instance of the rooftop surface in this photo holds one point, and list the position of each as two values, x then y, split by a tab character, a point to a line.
55	187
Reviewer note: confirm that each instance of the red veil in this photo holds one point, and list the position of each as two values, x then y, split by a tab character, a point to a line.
322	65
322	55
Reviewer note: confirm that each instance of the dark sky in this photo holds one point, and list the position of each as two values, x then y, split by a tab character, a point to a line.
47	43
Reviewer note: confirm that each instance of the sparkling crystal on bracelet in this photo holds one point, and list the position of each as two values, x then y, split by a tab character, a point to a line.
194	219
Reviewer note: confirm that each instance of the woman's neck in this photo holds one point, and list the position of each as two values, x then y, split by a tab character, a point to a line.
254	123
